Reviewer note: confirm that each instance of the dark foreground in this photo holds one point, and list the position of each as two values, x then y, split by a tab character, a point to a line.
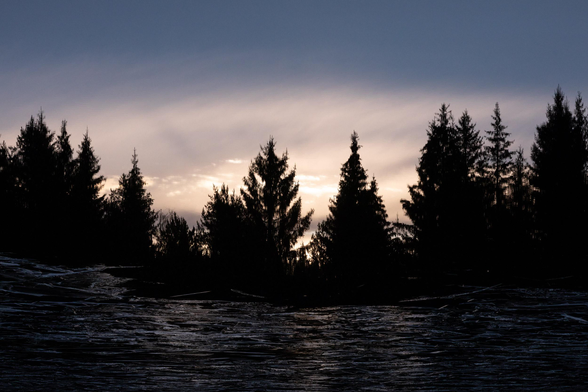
78	329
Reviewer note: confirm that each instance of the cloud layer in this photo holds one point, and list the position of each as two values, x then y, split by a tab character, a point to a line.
195	141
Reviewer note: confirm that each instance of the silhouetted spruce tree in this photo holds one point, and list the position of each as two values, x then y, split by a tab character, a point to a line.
225	236
64	157
471	150
37	187
466	200
87	204
353	243
499	159
446	205
559	157
499	170
275	212
519	202
429	208
130	218
520	193
175	241
468	206
64	222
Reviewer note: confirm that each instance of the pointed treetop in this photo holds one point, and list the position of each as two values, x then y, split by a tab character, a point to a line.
270	146
560	106
465	121
497	119
444	117
63	126
134	159
559	96
354	143
63	139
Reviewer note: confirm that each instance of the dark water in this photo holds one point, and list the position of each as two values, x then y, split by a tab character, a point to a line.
76	329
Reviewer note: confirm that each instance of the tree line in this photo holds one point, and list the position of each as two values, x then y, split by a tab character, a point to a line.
479	206
478	209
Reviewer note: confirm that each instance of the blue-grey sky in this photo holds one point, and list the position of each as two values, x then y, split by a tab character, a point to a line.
197	86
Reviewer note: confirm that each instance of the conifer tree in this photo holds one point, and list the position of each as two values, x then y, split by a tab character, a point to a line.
520	228
559	157
446	205
65	164
36	161
176	242
501	228
87	203
225	236
499	158
86	181
223	225
353	242
470	152
65	214
468	225
37	186
131	219
519	183
275	212
429	207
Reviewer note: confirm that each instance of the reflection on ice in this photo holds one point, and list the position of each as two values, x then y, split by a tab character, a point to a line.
74	329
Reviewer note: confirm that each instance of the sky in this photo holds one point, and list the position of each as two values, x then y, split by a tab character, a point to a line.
196	87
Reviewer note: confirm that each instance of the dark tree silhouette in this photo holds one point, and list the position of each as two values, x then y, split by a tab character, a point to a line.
520	200
467	201
36	161
353	243
87	203
175	241
64	217
559	157
501	228
446	204
46	215
37	186
223	225
64	155
275	212
225	235
428	204
470	150
520	226
130	218
499	158
87	182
